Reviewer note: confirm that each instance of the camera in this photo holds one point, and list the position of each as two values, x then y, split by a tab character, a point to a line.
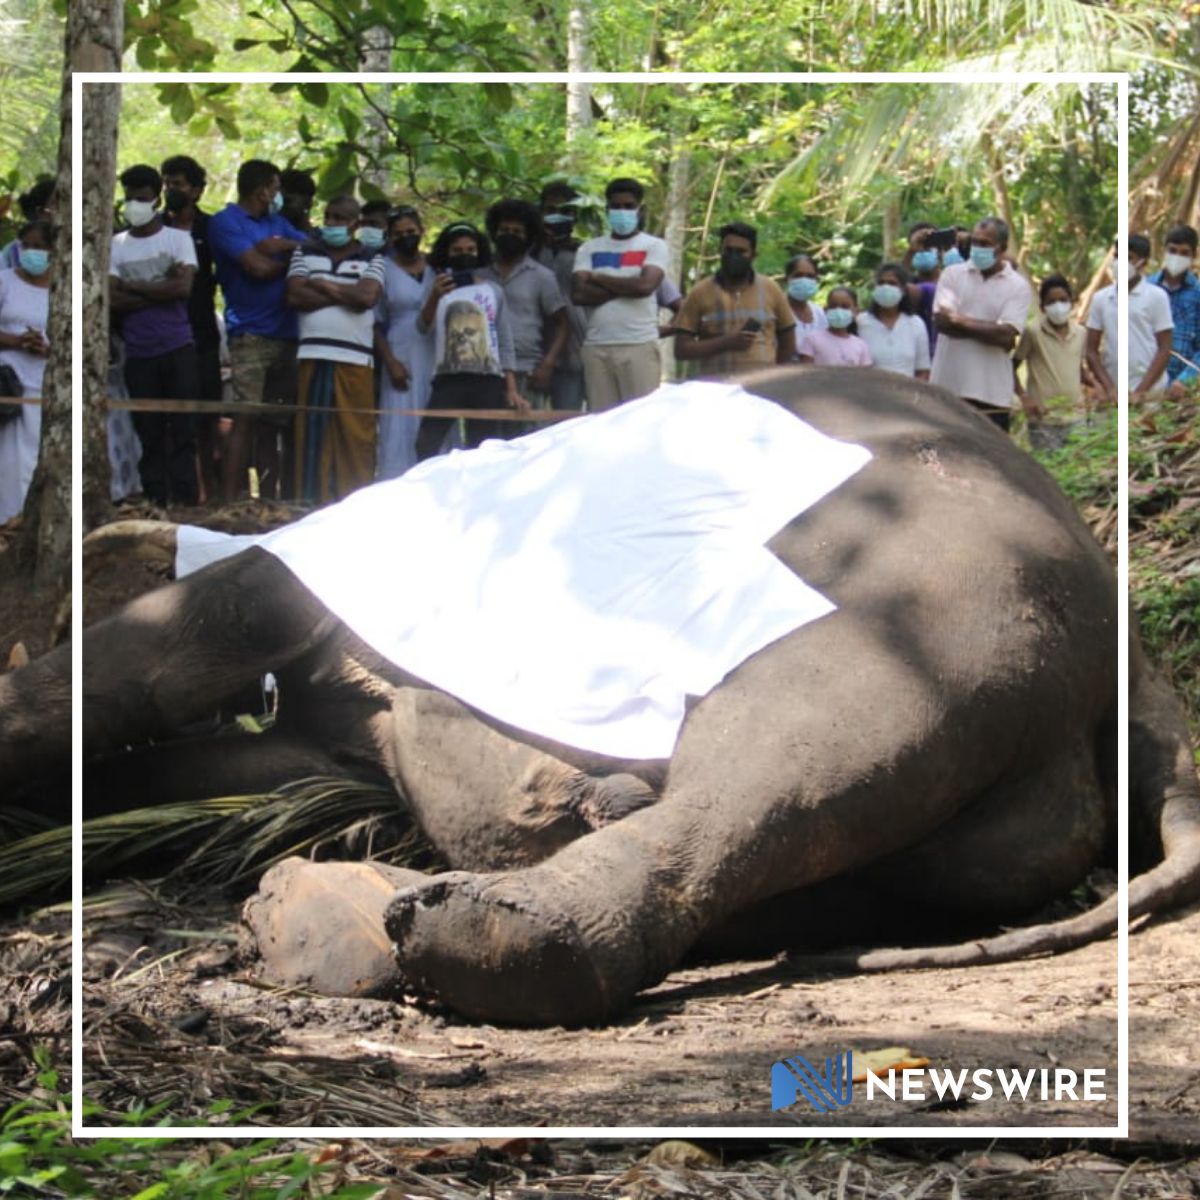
941	239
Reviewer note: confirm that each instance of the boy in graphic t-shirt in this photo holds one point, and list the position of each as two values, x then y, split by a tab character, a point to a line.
150	279
616	280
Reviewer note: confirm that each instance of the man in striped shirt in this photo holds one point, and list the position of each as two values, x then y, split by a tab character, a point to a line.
334	283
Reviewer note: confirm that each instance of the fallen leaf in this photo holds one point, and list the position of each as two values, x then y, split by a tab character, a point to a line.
469	1148
890	1058
680	1154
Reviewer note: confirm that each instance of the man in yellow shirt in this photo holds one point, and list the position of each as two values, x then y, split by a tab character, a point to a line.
737	319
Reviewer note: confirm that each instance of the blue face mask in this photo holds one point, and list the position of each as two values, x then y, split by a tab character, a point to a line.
335	235
623	221
951	257
887	295
371	237
839	318
802	288
34	262
925	260
984	257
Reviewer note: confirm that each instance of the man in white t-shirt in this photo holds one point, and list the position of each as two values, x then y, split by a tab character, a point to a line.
150	276
334	282
1150	326
616	282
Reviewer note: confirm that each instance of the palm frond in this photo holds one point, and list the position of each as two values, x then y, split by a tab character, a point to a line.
221	842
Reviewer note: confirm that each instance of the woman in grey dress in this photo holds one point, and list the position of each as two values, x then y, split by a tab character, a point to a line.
405	356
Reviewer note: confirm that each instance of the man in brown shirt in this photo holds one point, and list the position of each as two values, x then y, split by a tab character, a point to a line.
737	319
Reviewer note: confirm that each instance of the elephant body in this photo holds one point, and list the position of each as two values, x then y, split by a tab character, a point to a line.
943	743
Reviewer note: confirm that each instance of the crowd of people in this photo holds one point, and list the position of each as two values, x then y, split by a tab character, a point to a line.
362	341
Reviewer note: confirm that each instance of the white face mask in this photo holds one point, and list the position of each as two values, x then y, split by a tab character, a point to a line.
139	212
1176	264
1131	270
1058	312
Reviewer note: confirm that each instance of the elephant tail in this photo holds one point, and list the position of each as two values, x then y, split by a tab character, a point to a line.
1172	883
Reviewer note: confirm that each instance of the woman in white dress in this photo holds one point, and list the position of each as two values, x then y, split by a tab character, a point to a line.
803	282
894	334
24	310
405	356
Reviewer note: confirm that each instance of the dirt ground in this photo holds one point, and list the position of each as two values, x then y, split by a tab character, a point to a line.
184	1017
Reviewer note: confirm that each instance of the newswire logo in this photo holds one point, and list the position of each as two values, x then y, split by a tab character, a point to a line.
796	1079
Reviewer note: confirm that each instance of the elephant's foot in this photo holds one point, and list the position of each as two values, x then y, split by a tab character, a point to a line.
319	925
493	949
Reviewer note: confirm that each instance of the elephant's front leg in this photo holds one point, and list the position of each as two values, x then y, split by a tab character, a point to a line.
761	798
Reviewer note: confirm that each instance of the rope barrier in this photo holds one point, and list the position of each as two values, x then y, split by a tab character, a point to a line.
233	407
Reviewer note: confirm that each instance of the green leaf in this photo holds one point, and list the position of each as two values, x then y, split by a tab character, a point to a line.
147	53
152	1192
183	106
315	93
499	96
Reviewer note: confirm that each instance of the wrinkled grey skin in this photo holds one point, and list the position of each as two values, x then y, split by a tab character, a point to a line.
948	734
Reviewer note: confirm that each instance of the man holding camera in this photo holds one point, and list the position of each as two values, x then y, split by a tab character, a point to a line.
737	319
979	311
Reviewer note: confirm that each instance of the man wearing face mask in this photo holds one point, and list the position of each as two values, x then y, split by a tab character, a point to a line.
537	314
737	319
560	207
979	309
184	180
334	282
151	270
1150	327
299	190
373	226
1180	283
252	244
616	278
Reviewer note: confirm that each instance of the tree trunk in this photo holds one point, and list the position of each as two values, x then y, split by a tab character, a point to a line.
94	36
376	58
675	232
1004	208
891	229
579	94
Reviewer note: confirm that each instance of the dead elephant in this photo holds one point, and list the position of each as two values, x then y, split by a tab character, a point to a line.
943	743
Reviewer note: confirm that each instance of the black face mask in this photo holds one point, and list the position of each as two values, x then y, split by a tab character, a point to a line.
462	262
735	264
511	245
176	201
406	244
559	226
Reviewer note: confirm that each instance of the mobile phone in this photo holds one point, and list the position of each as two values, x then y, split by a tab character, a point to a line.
463	278
752	325
941	239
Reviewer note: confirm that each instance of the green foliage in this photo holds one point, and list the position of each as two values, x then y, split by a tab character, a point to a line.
30	81
815	167
1085	466
39	1157
1164	572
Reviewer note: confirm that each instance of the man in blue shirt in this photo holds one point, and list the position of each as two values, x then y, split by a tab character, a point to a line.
251	246
1183	290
